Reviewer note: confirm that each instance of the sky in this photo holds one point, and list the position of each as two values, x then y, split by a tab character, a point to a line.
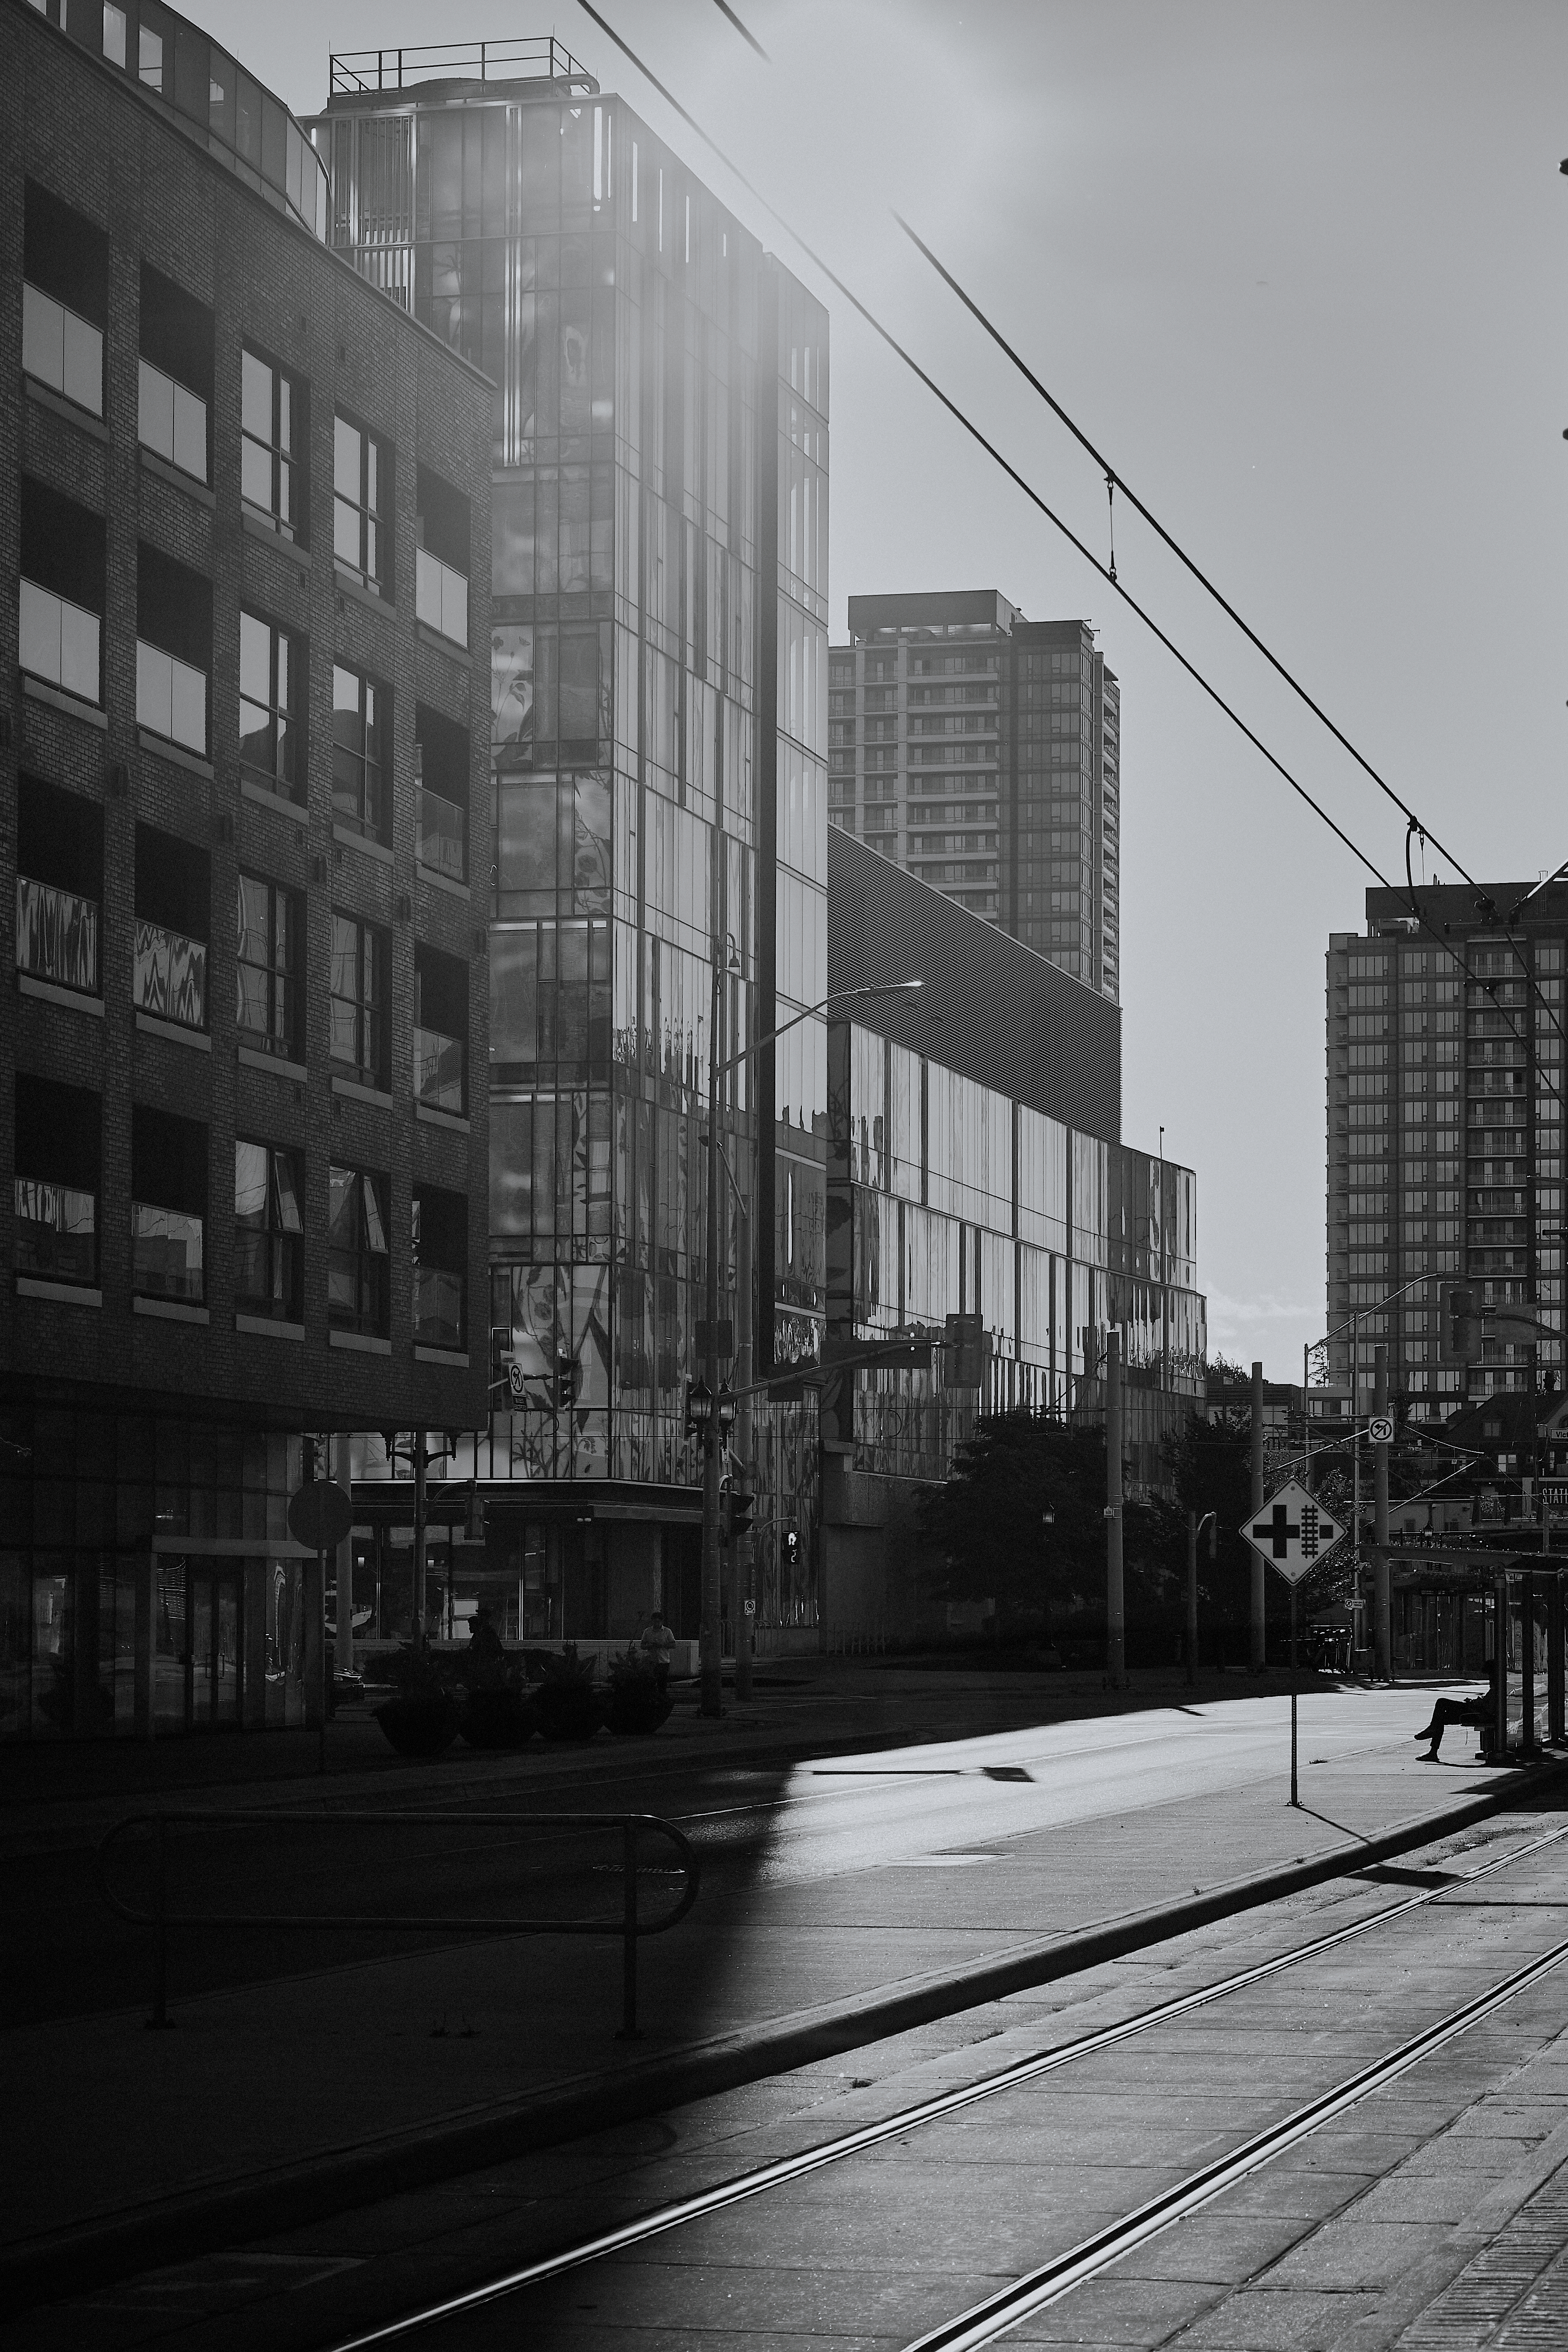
1295	270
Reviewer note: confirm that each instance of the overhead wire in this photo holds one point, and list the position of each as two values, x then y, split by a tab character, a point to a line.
1109	574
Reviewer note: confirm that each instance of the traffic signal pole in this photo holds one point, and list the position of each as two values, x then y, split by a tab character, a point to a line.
710	1671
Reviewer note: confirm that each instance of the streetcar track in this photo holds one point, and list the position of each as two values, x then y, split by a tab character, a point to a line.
742	2186
996	2315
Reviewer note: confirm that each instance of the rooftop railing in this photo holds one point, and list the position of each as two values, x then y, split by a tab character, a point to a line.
541	58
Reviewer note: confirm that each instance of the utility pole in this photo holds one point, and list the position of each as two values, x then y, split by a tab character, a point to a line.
1115	1608
1257	1647
711	1662
1380	1517
741	1569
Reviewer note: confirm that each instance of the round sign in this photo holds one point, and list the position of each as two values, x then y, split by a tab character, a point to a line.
320	1515
1380	1428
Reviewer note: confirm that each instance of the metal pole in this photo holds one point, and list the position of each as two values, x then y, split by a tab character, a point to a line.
1527	1663
1554	1725
1306	1423
1500	1661
318	1671
1295	1795
421	1466
1355	1461
1381	1516
343	1646
1115	1610
1258	1650
743	1546
1192	1597
711	1676
159	2017
628	2032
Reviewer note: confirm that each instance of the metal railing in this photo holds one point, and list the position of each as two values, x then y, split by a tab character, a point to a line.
543	57
630	1927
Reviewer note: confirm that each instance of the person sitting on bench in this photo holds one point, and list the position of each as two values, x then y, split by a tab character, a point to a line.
1479	1711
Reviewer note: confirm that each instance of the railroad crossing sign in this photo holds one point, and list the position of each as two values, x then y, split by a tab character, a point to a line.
1292	1532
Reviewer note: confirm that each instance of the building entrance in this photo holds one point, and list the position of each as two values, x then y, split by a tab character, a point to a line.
199	1675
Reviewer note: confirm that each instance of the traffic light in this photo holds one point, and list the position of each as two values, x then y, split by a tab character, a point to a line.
565	1379
1460	1341
967	1347
737	1509
791	1547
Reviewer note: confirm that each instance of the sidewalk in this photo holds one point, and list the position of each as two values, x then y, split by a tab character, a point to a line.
305	2093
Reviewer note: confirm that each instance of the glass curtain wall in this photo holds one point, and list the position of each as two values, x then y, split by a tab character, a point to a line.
622	314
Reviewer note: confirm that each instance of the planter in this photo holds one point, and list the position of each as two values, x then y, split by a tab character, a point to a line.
636	1710
497	1718
419	1726
566	1710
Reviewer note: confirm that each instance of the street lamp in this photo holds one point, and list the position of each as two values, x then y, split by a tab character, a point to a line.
709	1665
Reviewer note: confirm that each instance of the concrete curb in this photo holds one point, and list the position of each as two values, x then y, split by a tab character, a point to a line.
91	2255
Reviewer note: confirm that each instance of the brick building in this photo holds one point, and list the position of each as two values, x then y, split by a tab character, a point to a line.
244	556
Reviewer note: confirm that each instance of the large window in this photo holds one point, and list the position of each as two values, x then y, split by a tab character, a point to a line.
58	1132
361	503
268	1233
359	1022
168	1205
65	299
359	1288
440	1268
271	683
60	616
270	931
272	436
441	587
440	1029
175	382
441	793
174	649
174	897
59	885
361	745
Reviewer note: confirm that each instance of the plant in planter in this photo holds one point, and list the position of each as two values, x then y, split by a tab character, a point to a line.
420	1718
566	1703
497	1712
639	1695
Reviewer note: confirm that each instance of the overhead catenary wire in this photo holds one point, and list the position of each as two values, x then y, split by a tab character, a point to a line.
1108	575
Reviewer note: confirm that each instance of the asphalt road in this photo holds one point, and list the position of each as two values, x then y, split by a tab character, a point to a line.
969	1805
1432	2209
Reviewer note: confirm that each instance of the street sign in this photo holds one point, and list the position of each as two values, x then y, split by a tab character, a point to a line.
320	1515
1380	1428
1292	1532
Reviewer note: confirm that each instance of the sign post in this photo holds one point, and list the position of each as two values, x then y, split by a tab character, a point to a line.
1290	1533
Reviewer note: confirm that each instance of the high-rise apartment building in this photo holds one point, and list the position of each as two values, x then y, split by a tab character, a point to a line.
659	771
982	751
1445	1137
244	588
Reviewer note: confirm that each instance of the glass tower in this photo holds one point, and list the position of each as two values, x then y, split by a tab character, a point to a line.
658	693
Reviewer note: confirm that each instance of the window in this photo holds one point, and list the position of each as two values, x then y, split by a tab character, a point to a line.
359	1024
175	374
440	1268
271	677
272	428
440	1029
441	790
58	1132
359	1290
65	299
361	503
168	1205
59	885
61	613
268	1233
269	930
174	892
441	586
150	46
114	34
361	710
174	649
